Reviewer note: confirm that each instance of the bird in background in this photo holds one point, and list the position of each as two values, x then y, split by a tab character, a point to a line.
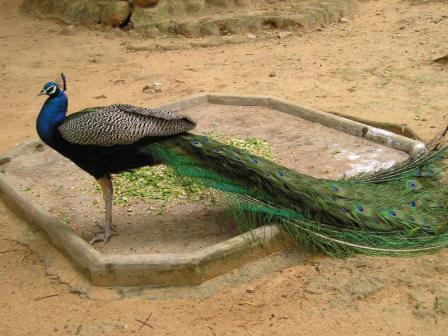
402	210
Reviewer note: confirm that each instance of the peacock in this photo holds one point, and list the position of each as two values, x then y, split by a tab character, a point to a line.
398	211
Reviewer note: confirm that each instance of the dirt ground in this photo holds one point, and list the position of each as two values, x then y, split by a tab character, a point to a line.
376	66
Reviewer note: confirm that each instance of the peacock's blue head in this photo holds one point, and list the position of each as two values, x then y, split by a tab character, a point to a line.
50	89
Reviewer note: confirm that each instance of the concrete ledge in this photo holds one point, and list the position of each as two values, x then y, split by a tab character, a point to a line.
198	18
188	268
153	269
346	125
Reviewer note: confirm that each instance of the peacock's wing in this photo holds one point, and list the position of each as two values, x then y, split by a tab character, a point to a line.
121	124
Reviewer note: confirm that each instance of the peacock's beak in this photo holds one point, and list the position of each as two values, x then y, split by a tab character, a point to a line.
42	93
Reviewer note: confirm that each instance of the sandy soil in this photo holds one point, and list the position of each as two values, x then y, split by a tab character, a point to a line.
377	66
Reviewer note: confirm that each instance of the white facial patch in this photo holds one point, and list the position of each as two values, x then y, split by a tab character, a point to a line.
51	90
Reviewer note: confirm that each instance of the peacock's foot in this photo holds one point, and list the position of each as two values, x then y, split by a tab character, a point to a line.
103	236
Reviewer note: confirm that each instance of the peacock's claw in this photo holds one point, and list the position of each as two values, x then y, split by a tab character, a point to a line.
101	226
100	237
103	236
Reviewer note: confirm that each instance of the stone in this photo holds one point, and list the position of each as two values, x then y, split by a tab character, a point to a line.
150	32
220	3
250	290
89	14
194	6
68	30
146	3
100	97
116	13
153	88
210	28
186	29
82	12
190	18
242	3
284	34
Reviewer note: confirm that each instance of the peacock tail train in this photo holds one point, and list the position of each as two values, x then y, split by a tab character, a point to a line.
402	210
398	211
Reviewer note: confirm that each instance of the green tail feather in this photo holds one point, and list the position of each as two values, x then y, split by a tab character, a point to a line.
399	211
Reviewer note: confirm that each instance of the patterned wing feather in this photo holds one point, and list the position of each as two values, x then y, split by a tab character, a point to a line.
150	112
121	125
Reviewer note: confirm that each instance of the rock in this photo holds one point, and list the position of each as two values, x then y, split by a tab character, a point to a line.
100	97
185	17
250	290
272	74
133	34
68	30
210	28
194	6
219	3
150	32
241	3
343	20
69	11
284	34
116	13
146	3
153	88
441	60
186	29
251	36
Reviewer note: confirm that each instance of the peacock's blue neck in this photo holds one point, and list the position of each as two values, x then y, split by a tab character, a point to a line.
51	115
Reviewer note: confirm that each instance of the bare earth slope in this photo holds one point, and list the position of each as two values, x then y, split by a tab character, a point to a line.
375	66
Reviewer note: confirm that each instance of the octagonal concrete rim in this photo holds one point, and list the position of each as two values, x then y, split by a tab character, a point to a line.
198	266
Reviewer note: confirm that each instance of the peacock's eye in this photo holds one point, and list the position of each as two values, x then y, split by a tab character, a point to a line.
359	208
51	90
392	213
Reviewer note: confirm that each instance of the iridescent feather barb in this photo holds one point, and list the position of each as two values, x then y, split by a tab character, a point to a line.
398	211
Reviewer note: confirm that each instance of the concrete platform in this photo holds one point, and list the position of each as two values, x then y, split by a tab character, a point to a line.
131	260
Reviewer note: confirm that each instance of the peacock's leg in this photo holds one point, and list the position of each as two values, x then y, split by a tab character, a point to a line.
105	183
